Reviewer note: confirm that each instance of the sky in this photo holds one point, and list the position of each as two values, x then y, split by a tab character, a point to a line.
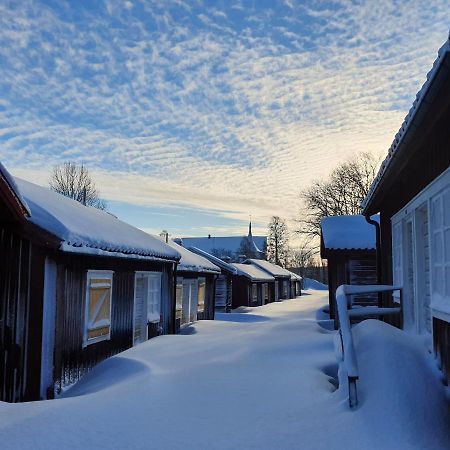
193	115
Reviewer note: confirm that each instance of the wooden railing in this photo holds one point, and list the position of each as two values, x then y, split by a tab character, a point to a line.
344	295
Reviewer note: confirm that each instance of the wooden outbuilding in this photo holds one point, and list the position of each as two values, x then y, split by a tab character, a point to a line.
224	282
252	286
195	286
348	243
77	285
296	285
412	194
282	278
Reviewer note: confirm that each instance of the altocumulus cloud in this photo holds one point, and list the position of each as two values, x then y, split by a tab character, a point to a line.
230	107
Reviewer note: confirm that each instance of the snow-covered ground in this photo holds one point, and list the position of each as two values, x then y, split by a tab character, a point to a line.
260	378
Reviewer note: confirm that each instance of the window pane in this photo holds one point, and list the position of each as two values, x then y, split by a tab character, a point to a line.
98	320
154	297
179	301
438	280
201	296
437	247
446	199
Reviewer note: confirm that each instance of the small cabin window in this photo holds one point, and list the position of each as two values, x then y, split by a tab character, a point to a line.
154	297
201	294
97	323
254	293
265	293
179	299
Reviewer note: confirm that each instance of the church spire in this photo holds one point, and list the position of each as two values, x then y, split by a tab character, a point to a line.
250	228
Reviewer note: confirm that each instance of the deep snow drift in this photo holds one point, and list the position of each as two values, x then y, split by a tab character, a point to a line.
260	378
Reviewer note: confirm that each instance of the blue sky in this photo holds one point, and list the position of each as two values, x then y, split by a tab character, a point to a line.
192	115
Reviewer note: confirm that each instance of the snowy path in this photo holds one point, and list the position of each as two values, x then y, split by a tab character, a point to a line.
255	381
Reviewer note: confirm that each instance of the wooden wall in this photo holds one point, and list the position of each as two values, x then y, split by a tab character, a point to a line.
441	338
21	285
223	295
340	272
241	291
71	360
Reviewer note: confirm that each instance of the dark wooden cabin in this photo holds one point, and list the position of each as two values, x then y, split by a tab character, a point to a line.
196	283
296	285
77	285
282	278
224	282
412	194
252	286
348	243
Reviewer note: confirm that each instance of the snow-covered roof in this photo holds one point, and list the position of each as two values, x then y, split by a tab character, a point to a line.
348	233
225	243
191	262
88	230
217	261
295	276
13	191
253	272
272	269
407	124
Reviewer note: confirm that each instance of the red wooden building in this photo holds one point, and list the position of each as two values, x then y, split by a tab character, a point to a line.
77	285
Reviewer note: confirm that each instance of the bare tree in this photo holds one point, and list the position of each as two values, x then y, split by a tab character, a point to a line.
303	256
277	241
75	182
341	194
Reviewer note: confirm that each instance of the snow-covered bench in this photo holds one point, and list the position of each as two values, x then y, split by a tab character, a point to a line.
344	295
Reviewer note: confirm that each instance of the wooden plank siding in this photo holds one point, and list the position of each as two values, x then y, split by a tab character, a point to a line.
441	341
21	284
71	359
351	267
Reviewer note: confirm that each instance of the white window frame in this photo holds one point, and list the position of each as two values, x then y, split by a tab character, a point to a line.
106	274
435	188
201	281
179	311
151	316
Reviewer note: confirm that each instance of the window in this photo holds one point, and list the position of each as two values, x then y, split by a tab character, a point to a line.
397	264
254	293
265	293
147	303
154	297
201	294
97	323
179	299
190	300
440	243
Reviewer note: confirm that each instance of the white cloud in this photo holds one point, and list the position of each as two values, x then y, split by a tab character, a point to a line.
167	112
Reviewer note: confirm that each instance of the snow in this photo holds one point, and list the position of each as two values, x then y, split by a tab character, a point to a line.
253	272
217	261
273	269
229	244
88	230
191	262
440	304
348	232
13	188
264	378
309	283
